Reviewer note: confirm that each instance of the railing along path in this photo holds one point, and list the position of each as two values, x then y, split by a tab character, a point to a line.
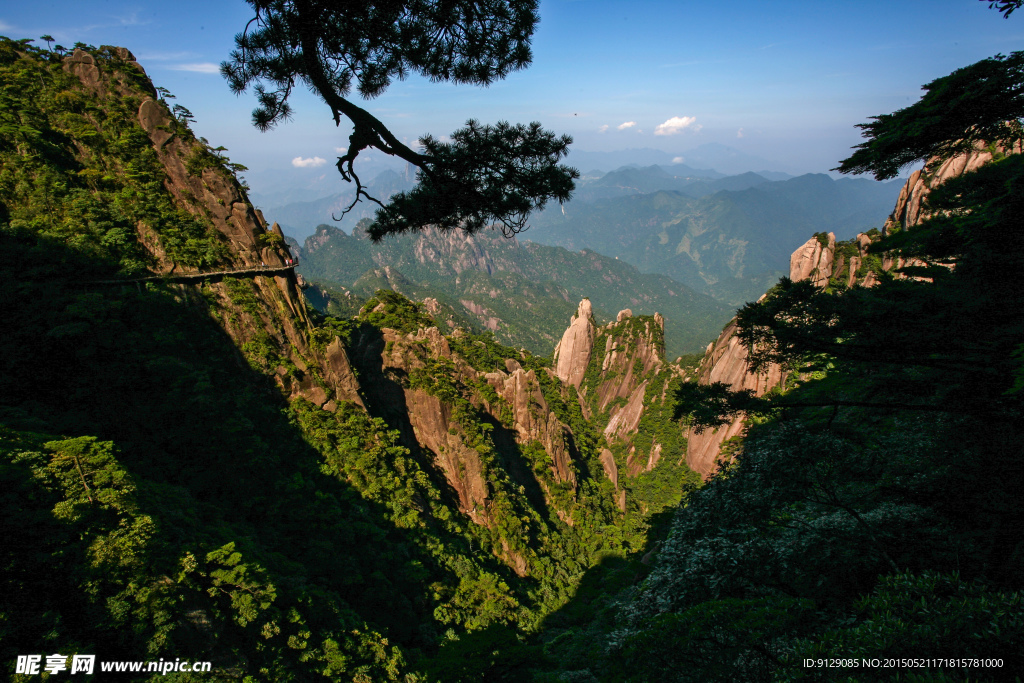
187	277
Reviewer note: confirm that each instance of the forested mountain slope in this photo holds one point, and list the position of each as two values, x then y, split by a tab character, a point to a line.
732	244
205	469
866	495
521	291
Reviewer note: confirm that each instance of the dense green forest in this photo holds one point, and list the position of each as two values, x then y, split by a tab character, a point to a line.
872	509
185	476
163	498
525	290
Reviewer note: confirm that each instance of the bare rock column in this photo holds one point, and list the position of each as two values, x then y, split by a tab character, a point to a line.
813	261
572	354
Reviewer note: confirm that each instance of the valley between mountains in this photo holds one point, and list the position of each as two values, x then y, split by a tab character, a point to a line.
449	457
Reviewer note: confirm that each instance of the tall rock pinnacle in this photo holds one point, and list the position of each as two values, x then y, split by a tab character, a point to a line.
572	354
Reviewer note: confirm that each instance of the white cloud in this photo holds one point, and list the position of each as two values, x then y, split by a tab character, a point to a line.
739	133
677	124
4	26
678	160
602	128
299	162
341	150
200	68
627	124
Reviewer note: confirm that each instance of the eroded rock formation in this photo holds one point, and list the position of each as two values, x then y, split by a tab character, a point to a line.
825	263
813	260
572	354
632	351
518	412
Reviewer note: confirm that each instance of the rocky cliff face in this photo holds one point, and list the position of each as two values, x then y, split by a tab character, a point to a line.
827	264
725	361
633	350
911	207
572	353
264	311
621	375
813	261
418	383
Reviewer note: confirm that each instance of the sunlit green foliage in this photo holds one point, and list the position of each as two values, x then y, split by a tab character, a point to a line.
867	511
81	171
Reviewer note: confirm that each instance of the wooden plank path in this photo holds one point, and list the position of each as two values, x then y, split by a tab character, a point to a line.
192	277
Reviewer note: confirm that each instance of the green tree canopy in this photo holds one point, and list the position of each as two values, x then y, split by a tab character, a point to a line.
947	338
486	174
1005	7
980	102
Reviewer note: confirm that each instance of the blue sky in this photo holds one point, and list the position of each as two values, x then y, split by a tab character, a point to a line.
783	80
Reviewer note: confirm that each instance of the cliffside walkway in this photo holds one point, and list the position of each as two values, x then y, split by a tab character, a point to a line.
192	277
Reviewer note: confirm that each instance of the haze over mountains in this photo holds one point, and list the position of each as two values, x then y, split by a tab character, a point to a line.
730	237
724	160
727	236
523	292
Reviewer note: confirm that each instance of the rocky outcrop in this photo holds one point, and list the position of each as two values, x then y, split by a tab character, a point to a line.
462	466
623	358
611	470
572	354
912	205
154	119
338	373
532	417
821	259
633	351
518	412
725	361
82	64
813	260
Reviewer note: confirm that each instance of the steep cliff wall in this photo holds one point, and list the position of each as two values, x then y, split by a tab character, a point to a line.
827	264
416	379
264	314
624	385
572	353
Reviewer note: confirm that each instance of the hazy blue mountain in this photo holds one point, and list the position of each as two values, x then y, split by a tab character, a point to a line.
608	161
775	175
524	292
727	244
299	219
631	180
724	159
700	188
644	180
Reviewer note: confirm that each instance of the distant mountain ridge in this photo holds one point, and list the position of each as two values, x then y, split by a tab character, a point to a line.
644	180
730	238
299	219
522	291
723	159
